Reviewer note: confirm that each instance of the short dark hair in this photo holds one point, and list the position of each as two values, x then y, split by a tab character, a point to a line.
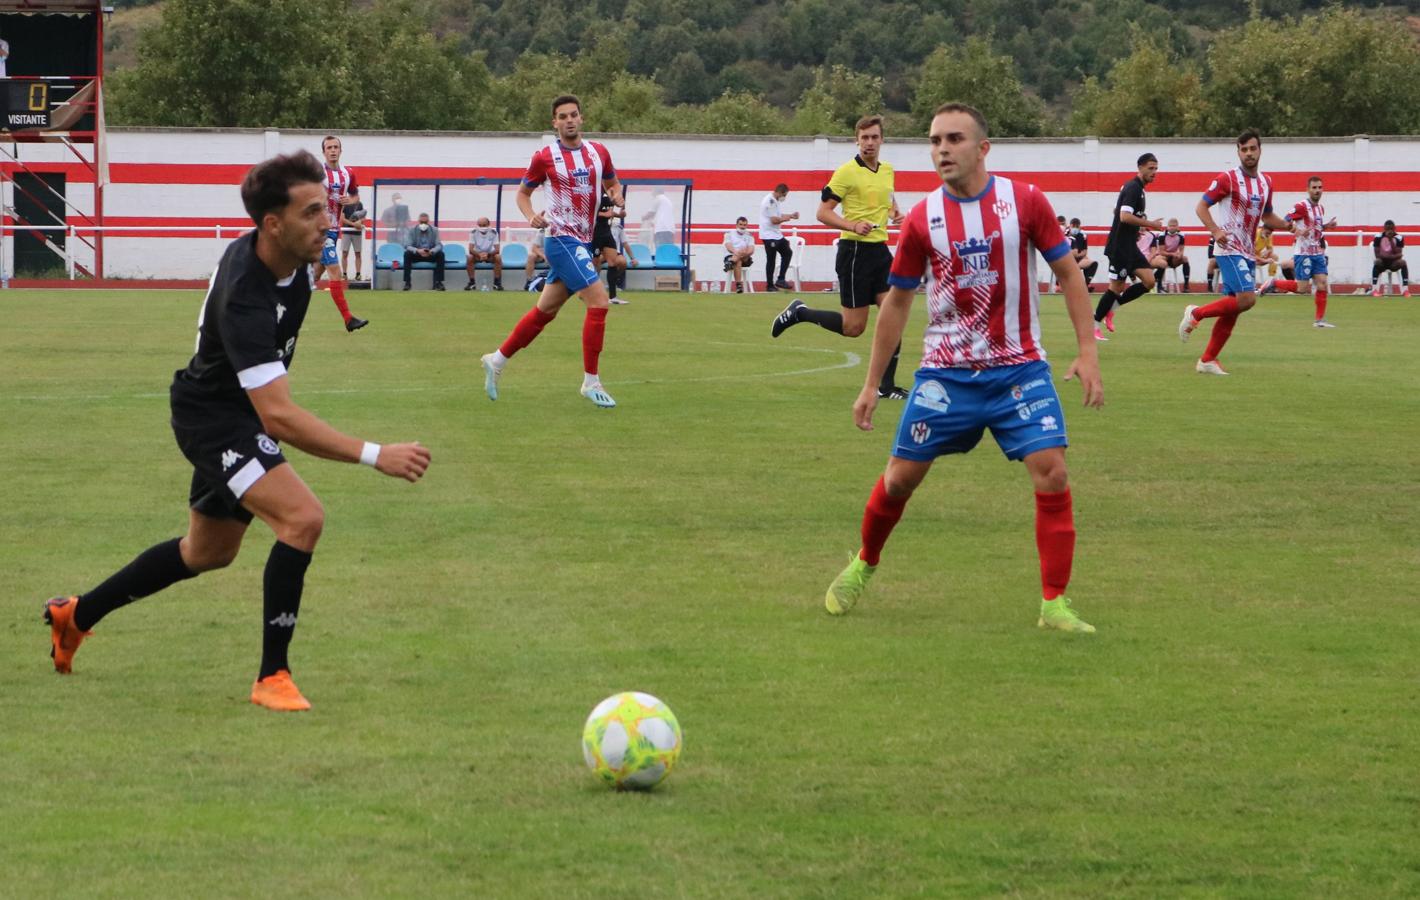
1074	221
563	100
867	122
742	219
1389	223
781	187
1146	158
329	137
267	185
969	110
1313	178
1250	134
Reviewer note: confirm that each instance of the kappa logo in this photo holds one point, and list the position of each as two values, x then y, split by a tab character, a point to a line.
1048	423
920	432
267	445
931	395
229	459
280	311
285	620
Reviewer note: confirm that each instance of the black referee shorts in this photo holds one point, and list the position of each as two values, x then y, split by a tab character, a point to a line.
1123	263
602	238
862	272
228	456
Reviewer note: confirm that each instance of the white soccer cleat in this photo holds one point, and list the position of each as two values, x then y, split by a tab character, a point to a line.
1185	327
1322	323
598	395
491	374
1209	368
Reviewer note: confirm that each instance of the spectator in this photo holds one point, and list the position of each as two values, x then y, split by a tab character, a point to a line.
618	231
772	236
352	231
739	251
535	255
1267	254
395	218
4	57
1389	248
1172	245
1080	249
423	245
606	248
662	219
483	247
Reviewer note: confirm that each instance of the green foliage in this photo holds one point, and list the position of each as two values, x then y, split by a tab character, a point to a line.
838	98
741	112
1149	93
974	73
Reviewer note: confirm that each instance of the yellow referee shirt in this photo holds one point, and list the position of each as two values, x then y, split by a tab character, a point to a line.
863	194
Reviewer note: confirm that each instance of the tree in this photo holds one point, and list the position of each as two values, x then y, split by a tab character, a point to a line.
685	79
974	73
741	112
838	98
223	63
1148	93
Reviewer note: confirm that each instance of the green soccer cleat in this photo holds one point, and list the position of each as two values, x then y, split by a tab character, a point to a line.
843	594
1057	614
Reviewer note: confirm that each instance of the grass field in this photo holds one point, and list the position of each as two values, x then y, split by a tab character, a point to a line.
1244	724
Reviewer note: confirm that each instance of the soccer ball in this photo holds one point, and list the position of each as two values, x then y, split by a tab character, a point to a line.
631	741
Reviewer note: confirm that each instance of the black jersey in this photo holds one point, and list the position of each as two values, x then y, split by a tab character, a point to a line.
603	226
1078	242
1124	237
246	335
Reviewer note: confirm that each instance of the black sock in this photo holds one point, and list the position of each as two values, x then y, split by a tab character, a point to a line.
151	571
1133	292
890	373
611	282
1159	279
282	582
1105	304
768	266
1185	276
824	318
1209	280
1090	271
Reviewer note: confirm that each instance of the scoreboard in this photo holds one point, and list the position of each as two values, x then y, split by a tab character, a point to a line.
44	104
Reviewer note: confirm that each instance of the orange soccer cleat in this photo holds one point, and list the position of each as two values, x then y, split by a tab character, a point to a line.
65	637
279	692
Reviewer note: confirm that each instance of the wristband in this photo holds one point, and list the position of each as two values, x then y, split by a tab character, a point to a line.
369	454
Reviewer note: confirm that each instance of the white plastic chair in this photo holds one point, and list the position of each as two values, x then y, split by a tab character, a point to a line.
796	248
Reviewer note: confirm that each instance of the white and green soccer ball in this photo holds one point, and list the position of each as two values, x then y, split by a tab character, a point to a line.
631	741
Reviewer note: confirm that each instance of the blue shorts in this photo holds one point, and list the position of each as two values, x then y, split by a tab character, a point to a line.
1239	274
949	409
1304	267
328	255
570	262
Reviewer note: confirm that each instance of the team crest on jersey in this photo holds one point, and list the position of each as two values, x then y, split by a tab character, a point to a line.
975	256
1002	208
920	432
266	444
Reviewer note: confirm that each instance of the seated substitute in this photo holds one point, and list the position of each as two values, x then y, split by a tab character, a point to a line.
483	248
1080	249
423	245
1171	246
1389	248
739	251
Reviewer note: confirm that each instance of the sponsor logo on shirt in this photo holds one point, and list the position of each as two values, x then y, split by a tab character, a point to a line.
931	395
975	256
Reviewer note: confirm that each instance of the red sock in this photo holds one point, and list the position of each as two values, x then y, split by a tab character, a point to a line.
1226	306
1055	540
528	327
1222	330
593	331
1284	284
879	518
1320	305
337	293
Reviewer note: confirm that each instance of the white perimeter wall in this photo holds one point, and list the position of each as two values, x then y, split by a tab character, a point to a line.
170	178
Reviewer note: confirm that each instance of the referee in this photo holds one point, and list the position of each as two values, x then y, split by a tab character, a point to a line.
1122	247
864	188
230	406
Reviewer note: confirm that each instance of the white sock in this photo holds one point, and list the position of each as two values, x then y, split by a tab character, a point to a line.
588	379
499	360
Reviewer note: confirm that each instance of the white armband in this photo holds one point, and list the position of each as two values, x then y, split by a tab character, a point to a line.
370	454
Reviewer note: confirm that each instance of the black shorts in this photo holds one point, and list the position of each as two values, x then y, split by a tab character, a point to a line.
602	238
228	456
730	262
1123	264
862	272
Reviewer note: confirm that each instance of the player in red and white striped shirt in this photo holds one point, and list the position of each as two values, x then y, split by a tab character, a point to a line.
574	174
1309	252
339	181
983	366
1234	205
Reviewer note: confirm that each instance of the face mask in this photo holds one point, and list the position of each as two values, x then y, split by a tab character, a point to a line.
423	226
742	228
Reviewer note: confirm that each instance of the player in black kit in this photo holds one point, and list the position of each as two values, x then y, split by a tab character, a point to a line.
1122	247
230	407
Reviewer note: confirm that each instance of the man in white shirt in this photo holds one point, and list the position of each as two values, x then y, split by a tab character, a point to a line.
739	251
662	218
771	216
483	247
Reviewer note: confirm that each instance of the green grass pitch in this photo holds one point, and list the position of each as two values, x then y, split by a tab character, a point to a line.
1243	725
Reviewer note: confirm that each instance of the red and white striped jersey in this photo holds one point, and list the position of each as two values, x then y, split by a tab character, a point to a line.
573	179
979	259
1239	202
1311	228
338	182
